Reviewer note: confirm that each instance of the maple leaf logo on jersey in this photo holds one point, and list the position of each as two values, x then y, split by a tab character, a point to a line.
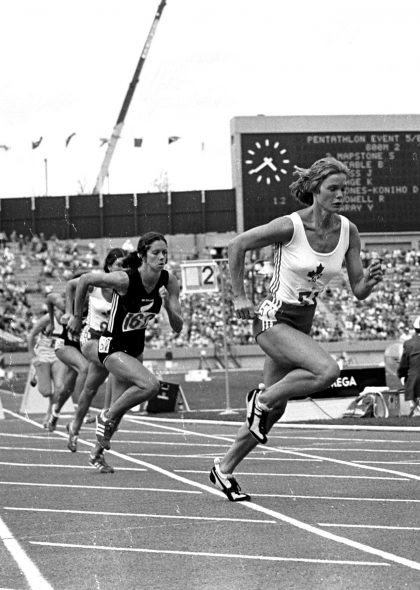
316	274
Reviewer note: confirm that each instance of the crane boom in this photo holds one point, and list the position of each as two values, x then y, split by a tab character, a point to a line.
116	132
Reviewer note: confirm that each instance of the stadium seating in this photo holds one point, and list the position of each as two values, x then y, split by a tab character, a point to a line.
30	270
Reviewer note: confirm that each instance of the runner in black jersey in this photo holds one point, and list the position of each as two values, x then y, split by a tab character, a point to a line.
139	293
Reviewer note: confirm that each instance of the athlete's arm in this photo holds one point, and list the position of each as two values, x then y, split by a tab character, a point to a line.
54	301
361	281
170	300
278	230
117	280
37	328
71	287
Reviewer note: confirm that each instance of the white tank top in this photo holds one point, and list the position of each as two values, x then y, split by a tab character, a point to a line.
301	273
98	311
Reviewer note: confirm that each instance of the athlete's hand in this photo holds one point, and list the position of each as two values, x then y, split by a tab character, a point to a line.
164	294
374	273
74	325
64	319
244	309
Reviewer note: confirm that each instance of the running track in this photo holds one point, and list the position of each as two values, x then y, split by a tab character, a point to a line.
331	509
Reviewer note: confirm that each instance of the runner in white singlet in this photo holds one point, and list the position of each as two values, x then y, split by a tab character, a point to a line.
311	246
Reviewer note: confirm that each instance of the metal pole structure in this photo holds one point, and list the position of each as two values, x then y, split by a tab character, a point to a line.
227	409
116	132
46	176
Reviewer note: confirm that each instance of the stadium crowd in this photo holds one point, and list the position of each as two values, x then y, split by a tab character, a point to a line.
385	316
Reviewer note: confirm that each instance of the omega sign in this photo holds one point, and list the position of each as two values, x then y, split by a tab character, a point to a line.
345	382
353	381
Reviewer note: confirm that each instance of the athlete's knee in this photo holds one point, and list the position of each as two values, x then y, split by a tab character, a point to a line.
88	393
44	390
154	386
83	370
328	372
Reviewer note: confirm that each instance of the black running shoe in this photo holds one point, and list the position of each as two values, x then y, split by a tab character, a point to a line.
52	421
105	428
256	418
228	485
98	461
72	440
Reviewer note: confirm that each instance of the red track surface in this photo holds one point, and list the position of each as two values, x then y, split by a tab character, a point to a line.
330	509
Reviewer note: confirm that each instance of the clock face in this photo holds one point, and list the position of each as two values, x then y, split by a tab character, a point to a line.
266	161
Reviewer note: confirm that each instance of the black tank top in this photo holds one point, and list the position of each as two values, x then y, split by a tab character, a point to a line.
131	313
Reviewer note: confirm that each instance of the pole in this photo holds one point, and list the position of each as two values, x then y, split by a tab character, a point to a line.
116	132
46	176
227	409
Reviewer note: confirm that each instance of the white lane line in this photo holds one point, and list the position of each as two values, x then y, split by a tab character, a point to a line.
343	439
308	475
279	425
50	466
140	515
89	487
208	554
353	450
290	452
211	456
43	437
390	462
32	574
39	450
371	526
341	498
256	507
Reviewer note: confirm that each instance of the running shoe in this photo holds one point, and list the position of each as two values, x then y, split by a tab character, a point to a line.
52	421
72	440
98	461
256	417
105	428
227	484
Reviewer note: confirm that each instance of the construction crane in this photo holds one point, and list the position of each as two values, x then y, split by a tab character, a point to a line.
116	132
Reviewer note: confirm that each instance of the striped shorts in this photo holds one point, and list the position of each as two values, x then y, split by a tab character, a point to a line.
268	314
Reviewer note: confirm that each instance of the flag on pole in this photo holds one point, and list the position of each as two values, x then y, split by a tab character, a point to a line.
69	138
138	141
173	138
36	144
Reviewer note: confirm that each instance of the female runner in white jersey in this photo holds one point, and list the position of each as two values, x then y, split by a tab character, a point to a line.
99	307
138	294
68	352
311	245
49	370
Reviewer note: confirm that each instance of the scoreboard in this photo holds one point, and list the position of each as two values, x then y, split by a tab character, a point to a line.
383	154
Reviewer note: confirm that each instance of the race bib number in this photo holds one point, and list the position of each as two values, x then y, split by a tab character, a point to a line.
267	310
308	297
104	344
137	321
58	343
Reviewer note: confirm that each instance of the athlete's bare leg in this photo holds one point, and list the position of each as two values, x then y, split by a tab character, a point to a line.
295	365
133	384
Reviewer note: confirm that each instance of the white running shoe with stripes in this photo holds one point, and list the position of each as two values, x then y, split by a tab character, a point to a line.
227	483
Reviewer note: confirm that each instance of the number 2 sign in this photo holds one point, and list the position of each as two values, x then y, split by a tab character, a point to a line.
199	276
